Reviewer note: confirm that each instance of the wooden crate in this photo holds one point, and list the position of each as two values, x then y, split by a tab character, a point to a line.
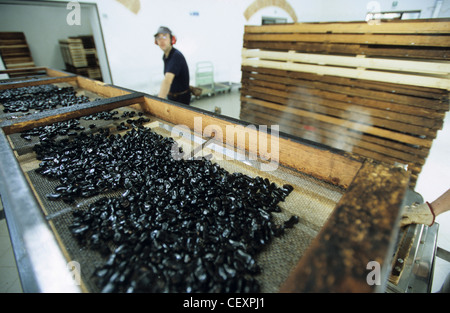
378	90
359	229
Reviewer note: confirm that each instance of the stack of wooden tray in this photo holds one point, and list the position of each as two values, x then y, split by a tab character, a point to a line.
376	89
80	56
15	51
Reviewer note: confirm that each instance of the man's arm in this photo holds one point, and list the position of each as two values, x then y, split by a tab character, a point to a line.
165	86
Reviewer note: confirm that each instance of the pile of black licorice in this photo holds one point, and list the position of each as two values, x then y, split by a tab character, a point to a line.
179	225
73	127
40	98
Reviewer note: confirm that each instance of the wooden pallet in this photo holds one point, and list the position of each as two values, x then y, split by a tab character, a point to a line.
380	91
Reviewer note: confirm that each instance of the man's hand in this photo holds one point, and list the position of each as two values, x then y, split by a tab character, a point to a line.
417	214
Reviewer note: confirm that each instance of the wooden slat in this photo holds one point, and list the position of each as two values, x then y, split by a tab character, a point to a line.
390	110
344	111
384	104
358	126
434	26
341	138
11	35
407	52
350	113
314	98
407	39
368	39
393	93
333	135
337	136
15	51
395	78
101	87
438	68
429	112
28	70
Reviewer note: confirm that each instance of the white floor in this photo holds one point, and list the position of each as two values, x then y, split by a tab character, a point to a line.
433	181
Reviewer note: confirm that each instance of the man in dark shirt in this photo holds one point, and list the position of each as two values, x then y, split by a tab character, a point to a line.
175	85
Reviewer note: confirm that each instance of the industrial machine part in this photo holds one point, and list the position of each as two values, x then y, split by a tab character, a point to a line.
413	264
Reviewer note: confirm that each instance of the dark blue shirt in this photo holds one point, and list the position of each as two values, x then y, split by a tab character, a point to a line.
176	64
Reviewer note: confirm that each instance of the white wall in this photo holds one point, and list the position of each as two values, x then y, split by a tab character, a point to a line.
206	31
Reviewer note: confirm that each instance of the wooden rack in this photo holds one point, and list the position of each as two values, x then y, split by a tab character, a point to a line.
376	89
15	51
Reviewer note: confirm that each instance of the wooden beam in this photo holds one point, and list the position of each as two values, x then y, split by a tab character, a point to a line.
330	165
358	231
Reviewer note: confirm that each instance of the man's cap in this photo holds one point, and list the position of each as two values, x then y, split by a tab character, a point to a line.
163	30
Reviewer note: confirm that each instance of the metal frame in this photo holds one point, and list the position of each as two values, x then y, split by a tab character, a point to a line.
38	255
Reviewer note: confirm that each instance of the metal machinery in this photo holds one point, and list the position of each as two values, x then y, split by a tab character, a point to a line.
204	79
414	258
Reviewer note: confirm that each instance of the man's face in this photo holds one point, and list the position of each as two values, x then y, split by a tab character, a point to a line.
163	41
